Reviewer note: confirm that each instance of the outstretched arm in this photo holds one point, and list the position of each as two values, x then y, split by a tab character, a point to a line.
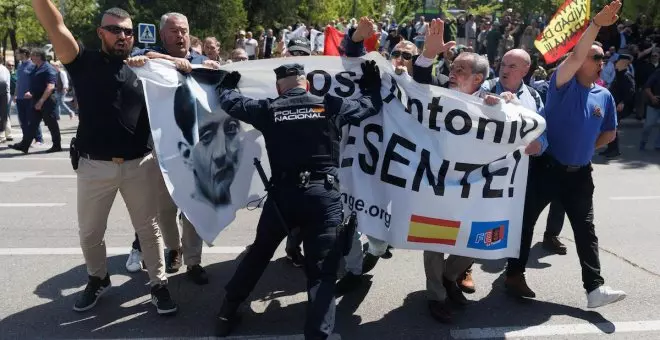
248	110
354	111
64	43
606	17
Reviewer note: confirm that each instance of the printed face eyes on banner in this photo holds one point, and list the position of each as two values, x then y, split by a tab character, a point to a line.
232	126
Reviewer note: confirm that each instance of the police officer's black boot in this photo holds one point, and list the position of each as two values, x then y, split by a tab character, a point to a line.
227	319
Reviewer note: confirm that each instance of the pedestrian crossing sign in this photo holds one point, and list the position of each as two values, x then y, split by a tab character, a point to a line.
146	33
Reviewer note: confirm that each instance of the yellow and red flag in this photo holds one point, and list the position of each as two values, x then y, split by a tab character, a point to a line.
433	230
564	29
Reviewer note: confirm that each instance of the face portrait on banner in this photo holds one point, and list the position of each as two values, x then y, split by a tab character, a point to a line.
213	153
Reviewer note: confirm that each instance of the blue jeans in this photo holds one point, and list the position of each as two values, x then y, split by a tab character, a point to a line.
62	106
652	116
317	210
23	107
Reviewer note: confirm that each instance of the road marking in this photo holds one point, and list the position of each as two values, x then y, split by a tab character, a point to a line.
12	177
109	251
248	337
556	330
55	176
28	158
634	198
31	205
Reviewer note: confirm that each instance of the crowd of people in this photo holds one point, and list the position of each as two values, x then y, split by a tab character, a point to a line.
490	58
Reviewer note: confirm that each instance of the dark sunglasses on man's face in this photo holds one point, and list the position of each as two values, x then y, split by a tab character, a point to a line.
404	55
598	57
117	30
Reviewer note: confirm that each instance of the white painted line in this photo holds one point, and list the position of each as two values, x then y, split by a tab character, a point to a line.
634	198
28	158
31	205
54	176
109	251
555	330
245	337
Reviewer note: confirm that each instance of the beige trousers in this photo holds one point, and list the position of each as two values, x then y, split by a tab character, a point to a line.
190	243
436	268
98	183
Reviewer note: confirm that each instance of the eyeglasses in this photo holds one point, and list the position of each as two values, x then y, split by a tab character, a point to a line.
117	30
598	57
404	55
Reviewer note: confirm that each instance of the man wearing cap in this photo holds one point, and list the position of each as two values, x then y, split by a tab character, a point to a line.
302	134
298	46
623	91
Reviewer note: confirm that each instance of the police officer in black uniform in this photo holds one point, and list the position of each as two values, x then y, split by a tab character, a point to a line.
302	135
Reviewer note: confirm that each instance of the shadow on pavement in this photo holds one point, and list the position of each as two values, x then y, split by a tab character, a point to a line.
497	310
125	311
630	132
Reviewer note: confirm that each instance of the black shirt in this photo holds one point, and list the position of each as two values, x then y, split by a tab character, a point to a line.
112	111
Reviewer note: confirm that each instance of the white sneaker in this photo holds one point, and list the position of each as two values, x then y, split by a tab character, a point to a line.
604	295
134	262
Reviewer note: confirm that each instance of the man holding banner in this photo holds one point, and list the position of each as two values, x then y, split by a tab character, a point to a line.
581	117
302	135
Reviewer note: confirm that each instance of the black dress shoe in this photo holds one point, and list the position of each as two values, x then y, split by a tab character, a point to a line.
54	148
197	274
19	147
227	319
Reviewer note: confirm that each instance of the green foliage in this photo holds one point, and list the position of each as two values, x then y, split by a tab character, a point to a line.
486	9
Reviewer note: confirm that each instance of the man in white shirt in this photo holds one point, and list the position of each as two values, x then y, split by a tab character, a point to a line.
5	123
251	46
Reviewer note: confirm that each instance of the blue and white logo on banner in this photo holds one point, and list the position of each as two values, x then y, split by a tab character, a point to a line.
146	33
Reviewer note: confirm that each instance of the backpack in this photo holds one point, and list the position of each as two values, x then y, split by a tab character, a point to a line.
492	85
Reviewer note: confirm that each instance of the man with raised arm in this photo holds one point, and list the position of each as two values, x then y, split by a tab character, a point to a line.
112	150
580	117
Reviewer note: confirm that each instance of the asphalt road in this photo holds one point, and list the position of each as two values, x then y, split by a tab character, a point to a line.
43	270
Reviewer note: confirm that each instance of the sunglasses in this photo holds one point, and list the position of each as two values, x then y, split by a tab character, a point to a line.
298	53
598	57
404	55
118	30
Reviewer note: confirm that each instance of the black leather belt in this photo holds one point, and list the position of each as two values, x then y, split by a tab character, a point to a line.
565	168
117	160
304	178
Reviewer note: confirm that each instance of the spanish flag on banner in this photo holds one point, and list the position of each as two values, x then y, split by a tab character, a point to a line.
433	230
564	30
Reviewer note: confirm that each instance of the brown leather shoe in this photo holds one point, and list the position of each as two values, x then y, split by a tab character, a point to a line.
465	282
440	311
517	286
553	245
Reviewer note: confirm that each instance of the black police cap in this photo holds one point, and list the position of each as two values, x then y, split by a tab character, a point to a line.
289	70
301	45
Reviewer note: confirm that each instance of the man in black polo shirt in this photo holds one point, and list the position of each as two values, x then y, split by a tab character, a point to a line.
113	142
42	103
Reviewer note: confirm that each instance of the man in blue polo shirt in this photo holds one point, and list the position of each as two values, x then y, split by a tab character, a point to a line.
580	117
175	36
42	103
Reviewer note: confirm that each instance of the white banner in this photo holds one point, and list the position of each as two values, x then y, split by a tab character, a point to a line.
442	172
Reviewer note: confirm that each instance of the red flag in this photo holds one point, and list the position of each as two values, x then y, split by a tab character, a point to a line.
371	43
332	44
